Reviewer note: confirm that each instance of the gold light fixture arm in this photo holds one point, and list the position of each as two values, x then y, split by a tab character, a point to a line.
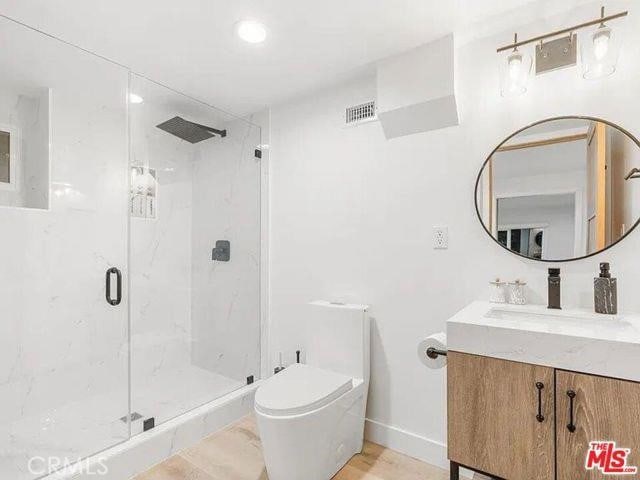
573	28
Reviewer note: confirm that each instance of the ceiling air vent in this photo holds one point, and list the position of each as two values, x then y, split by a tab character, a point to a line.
361	113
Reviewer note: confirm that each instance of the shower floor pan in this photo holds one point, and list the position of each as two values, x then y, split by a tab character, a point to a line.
85	427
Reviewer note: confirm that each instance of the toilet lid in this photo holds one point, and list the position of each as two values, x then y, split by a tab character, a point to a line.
299	389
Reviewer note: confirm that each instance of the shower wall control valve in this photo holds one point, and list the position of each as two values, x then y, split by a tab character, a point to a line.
222	251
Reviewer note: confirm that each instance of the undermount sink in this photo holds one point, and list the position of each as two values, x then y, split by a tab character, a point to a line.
577	322
570	339
537	316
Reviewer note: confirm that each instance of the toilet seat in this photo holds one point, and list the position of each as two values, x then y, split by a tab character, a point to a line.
300	389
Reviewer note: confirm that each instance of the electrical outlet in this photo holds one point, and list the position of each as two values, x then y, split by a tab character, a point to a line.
440	237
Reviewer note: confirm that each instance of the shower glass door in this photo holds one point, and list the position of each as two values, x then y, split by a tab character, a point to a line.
129	253
63	224
194	252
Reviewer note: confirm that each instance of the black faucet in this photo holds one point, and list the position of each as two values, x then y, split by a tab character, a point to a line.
554	288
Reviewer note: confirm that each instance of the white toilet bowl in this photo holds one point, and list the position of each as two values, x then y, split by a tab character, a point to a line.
310	418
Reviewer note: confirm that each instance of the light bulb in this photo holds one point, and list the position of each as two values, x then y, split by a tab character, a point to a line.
599	57
515	65
601	39
515	74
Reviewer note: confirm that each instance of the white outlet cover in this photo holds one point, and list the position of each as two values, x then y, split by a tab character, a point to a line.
440	237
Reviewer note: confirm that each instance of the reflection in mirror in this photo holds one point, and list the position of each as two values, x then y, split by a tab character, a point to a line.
561	189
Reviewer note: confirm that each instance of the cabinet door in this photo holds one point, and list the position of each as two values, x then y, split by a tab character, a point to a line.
604	410
493	422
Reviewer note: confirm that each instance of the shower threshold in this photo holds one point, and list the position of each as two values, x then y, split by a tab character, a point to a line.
167	396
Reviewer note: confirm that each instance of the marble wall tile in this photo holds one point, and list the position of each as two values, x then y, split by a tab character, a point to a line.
226	295
61	343
206	191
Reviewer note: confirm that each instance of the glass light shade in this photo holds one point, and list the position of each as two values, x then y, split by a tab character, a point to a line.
599	53
514	75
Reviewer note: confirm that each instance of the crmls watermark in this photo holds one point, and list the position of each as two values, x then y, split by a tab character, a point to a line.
47	465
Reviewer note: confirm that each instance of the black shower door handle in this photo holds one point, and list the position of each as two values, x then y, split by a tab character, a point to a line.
118	299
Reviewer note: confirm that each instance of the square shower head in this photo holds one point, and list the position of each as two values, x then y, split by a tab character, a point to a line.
186	130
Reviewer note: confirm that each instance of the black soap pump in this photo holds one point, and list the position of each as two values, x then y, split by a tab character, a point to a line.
605	292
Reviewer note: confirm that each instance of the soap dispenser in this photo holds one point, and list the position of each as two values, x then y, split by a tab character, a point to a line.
605	292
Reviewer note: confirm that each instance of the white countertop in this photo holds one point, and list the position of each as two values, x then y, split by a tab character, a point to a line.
571	339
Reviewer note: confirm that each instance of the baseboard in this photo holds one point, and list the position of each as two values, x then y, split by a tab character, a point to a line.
416	446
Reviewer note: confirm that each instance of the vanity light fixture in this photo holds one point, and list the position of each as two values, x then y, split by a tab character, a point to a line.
599	54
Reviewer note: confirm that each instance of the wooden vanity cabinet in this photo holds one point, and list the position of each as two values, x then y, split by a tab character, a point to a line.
494	425
604	409
493	420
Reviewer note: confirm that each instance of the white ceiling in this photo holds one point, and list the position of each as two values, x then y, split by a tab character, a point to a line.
190	44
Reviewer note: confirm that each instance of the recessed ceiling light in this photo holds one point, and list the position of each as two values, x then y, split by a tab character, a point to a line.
133	98
251	31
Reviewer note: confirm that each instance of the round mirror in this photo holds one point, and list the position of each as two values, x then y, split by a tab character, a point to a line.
561	189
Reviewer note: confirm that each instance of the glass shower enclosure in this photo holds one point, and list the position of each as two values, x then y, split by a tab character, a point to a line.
129	254
194	252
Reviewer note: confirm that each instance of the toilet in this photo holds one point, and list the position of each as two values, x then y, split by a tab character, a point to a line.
311	415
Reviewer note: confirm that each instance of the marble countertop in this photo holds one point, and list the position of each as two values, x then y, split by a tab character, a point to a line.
571	339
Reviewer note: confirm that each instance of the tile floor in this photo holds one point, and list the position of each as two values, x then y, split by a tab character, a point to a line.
236	454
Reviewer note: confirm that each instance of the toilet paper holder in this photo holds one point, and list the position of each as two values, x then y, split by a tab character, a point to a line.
434	353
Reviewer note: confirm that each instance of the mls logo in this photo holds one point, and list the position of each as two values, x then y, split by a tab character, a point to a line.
608	459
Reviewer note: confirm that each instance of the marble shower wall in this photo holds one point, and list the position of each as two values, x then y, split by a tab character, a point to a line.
160	247
188	313
62	346
226	296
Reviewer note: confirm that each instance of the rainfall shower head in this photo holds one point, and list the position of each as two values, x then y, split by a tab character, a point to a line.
190	131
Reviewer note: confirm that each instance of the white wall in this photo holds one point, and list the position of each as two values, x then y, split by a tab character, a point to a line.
528	170
352	216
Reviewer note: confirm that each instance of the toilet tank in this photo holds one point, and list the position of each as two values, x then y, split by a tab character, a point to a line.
338	338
